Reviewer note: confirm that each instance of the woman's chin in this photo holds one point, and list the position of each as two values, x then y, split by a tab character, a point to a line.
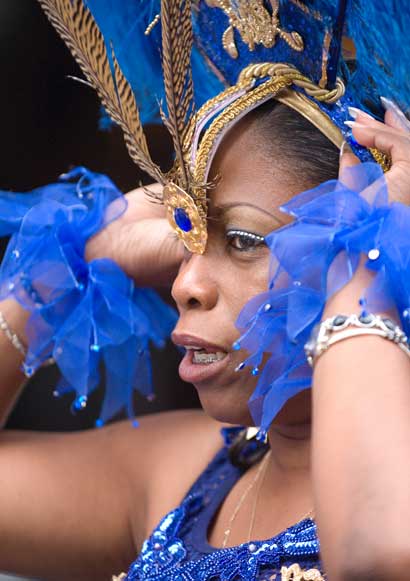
227	408
229	405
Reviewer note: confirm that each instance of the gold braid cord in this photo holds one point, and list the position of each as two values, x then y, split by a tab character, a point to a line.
210	105
262	70
176	61
245	103
77	27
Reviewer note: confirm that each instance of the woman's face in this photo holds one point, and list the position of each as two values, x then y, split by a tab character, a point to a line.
211	289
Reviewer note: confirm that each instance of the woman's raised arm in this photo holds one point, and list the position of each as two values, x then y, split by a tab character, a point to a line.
361	428
76	506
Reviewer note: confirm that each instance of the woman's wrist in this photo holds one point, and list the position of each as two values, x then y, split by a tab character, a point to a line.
350	299
16	318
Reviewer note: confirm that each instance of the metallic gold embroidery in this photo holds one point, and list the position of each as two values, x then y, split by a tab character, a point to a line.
295	573
255	25
325	59
176	200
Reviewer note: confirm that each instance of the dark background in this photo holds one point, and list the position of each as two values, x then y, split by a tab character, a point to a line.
49	123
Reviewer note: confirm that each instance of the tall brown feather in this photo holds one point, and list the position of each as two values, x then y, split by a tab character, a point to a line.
176	61
77	27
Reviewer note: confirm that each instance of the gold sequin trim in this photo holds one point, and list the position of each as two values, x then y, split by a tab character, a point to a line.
295	573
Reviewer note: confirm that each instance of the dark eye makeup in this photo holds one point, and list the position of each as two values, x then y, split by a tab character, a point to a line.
242	240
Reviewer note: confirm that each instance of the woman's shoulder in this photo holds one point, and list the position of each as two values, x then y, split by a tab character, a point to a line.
165	455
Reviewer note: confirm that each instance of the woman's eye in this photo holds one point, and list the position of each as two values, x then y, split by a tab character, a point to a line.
242	241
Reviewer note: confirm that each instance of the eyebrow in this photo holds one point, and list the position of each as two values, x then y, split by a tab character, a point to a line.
221	209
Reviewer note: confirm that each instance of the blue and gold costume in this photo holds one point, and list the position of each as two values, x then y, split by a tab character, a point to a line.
208	63
178	548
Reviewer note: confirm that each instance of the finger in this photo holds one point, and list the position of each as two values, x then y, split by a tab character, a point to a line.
363	117
374	124
391	120
347	160
386	139
394	116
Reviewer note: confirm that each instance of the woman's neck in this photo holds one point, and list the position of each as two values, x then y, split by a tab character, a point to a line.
290	445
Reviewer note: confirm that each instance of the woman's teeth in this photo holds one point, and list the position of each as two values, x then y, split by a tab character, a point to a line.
206	358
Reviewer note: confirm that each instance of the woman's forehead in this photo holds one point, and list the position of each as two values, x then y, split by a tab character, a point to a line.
247	179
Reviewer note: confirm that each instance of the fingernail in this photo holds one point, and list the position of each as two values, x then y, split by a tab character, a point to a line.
345	148
354	112
355	125
391	106
388	104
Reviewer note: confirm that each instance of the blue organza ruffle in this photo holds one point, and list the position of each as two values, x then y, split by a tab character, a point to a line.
81	314
312	258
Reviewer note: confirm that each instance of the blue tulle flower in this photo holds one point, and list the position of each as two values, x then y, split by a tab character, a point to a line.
81	314
312	258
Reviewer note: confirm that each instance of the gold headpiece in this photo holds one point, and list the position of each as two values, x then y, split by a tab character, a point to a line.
196	134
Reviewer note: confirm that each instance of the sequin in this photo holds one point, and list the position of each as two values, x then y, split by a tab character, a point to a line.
178	549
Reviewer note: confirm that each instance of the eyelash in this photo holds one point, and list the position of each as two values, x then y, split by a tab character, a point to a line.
254	240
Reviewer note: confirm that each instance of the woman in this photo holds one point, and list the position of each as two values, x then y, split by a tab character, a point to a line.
79	506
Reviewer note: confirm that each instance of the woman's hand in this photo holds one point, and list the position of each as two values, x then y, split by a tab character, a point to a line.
391	137
141	241
361	402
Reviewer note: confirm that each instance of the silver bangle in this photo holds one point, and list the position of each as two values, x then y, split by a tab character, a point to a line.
341	327
13	337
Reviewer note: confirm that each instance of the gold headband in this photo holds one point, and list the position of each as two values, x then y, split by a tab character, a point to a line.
196	136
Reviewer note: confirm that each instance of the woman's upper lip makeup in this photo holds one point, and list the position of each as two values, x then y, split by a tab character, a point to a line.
186	340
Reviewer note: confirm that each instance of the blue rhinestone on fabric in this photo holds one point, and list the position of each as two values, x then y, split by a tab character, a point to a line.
182	220
178	548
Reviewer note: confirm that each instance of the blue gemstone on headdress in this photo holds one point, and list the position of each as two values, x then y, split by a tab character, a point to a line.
182	219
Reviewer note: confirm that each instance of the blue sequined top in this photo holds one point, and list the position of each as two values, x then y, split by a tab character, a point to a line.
178	549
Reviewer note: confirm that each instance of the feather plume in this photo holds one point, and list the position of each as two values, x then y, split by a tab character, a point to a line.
77	27
176	61
380	33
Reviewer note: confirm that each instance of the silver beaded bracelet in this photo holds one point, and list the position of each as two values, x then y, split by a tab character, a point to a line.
342	327
13	337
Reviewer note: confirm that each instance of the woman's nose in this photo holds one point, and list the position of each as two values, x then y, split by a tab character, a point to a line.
194	286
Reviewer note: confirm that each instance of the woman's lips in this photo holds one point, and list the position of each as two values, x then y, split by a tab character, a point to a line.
199	372
203	361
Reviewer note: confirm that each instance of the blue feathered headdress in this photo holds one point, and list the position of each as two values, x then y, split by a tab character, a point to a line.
369	47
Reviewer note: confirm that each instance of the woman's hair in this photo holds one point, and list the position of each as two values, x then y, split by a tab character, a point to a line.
288	137
301	149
